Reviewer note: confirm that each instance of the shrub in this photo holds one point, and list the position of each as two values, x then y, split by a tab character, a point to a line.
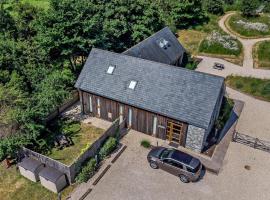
108	147
266	89
249	7
145	144
87	171
215	6
239	85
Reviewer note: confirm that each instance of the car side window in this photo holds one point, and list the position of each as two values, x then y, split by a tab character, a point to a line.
173	163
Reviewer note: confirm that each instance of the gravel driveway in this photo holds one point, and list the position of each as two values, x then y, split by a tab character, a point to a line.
130	178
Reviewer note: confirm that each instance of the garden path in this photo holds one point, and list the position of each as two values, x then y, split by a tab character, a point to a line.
230	68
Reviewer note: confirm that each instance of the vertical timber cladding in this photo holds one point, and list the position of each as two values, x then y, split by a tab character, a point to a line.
142	120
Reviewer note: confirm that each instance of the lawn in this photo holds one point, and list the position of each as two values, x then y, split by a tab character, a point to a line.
13	186
262	55
253	27
196	41
82	135
259	88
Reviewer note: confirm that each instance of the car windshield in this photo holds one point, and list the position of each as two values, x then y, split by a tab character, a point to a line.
165	153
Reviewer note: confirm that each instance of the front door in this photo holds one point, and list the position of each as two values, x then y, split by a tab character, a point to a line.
175	132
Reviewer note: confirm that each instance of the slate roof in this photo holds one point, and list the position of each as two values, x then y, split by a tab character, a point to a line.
50	174
30	164
175	92
149	48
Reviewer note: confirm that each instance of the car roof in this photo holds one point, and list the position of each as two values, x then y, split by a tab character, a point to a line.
181	157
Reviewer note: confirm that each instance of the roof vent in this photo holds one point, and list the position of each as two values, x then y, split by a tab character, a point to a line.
163	43
132	85
110	69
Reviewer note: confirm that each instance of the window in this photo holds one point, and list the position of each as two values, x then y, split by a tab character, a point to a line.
109	115
90	104
129	117
173	163
121	110
110	69
132	85
98	106
193	170
163	43
155	125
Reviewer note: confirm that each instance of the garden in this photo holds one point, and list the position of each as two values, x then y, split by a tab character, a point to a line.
258	88
261	54
81	135
208	39
249	27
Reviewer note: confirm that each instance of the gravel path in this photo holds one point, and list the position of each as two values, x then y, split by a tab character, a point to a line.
230	68
247	43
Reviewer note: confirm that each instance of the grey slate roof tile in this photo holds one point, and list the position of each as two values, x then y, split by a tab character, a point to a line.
149	48
175	92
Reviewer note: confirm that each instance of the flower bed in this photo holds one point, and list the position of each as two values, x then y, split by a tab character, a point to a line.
219	43
253	27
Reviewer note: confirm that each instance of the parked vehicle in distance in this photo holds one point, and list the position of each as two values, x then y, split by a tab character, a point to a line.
218	66
178	163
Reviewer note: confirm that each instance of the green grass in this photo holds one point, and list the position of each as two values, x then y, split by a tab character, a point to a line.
82	139
265	19
13	186
262	54
259	88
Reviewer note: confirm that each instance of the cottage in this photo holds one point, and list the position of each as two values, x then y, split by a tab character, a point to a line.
30	168
161	47
164	101
52	179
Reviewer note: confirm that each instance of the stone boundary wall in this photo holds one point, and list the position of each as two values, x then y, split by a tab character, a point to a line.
55	113
71	170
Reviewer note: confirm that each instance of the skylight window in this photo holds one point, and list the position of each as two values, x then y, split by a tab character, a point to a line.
132	85
163	43
110	69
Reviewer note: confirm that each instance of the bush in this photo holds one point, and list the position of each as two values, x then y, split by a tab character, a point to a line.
215	6
87	171
145	144
249	7
108	147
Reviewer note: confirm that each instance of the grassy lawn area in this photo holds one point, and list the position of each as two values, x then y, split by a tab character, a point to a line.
254	27
82	135
261	53
13	186
259	88
197	41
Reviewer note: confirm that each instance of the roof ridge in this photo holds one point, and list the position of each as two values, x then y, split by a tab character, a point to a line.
162	64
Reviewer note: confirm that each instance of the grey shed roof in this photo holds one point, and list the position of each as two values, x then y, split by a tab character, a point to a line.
150	49
51	174
30	164
175	92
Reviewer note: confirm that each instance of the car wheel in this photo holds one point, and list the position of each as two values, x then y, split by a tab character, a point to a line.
153	165
184	179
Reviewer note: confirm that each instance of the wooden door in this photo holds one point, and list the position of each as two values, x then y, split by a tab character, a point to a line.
175	132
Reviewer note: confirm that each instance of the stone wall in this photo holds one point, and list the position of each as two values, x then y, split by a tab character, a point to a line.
195	138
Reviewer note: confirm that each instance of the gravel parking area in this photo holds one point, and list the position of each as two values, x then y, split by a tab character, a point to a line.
255	117
131	178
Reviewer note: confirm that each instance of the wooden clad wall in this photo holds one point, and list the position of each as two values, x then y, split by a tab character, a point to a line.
142	120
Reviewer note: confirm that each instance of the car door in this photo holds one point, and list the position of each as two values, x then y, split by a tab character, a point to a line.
171	166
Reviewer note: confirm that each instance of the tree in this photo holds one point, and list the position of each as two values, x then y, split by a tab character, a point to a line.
215	6
68	31
7	23
185	13
249	7
125	23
